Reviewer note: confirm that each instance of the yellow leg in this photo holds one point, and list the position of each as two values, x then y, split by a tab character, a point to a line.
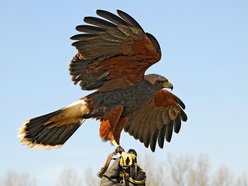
112	140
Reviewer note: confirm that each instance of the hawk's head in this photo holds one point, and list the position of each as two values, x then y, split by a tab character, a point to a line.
158	82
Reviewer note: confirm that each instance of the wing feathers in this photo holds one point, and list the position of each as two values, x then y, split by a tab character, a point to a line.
99	22
155	123
90	29
183	115
153	140
161	136
145	128
115	43
180	102
129	19
112	17
83	37
169	130
177	124
155	42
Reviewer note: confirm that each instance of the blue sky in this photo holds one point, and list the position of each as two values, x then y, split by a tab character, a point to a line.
205	55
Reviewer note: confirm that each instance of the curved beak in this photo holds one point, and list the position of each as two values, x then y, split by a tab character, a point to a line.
167	84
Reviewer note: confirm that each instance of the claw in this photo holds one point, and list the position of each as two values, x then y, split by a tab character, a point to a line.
119	149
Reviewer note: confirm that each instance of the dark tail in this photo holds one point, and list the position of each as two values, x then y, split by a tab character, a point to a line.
54	129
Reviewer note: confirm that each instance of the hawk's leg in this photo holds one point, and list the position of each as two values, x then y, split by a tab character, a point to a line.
109	124
113	142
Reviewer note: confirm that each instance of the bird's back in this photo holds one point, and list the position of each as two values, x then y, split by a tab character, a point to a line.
131	99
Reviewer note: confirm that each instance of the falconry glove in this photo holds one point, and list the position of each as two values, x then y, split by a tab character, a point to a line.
123	172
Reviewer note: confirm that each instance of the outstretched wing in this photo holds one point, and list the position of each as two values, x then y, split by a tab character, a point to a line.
156	119
113	52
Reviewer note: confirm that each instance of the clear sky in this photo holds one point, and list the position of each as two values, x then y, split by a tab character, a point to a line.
205	55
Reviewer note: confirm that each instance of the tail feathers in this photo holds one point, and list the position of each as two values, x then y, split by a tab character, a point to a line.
52	130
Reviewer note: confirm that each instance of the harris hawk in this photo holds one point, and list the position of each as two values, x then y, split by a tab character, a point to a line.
113	53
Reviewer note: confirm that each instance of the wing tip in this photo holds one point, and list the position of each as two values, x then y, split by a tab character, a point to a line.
100	11
129	19
154	41
184	116
153	141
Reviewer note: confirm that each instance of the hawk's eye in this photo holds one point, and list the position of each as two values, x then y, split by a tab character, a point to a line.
161	82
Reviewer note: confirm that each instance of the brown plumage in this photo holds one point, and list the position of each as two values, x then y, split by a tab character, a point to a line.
113	54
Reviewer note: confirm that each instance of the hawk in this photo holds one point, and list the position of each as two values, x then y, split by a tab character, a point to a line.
113	53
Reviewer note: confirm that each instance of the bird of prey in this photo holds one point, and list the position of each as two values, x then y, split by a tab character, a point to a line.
113	53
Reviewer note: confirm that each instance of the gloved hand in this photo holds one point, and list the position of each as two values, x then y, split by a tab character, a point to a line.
124	171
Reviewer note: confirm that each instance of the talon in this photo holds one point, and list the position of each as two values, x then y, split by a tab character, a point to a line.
119	149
